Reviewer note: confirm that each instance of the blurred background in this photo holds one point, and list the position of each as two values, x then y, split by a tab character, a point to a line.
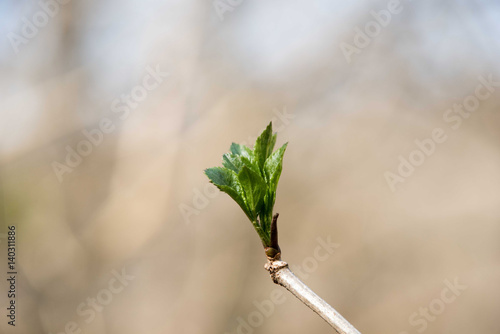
111	110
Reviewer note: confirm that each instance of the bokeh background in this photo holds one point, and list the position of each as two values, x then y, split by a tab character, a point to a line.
139	203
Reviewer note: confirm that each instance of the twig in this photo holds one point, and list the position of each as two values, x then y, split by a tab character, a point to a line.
282	275
250	177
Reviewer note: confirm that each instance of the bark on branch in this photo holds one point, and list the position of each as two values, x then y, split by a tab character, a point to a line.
282	275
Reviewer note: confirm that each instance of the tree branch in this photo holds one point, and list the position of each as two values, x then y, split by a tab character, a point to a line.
282	275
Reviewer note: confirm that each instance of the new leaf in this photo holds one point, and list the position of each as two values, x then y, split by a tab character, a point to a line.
227	181
251	178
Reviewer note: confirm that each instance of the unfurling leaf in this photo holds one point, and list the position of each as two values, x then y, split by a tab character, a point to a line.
251	178
274	166
227	181
264	146
254	187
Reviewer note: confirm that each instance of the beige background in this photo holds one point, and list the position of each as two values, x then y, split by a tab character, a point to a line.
121	207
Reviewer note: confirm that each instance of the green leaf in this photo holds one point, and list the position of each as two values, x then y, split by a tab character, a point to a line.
264	146
254	188
235	149
227	181
232	162
251	178
267	210
242	150
271	144
247	153
251	164
273	167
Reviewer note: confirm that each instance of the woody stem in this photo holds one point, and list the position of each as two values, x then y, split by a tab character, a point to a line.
282	275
